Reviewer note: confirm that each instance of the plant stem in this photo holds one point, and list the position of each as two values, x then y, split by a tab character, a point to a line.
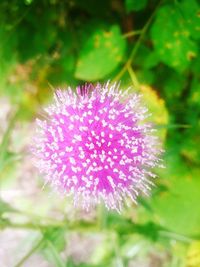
6	136
133	76
172	125
29	225
36	247
36	217
175	236
102	217
80	227
137	45
132	33
89	227
54	252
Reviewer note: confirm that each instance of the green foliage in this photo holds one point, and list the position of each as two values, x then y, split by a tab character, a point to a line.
150	45
134	5
56	236
172	37
101	53
5	207
173	207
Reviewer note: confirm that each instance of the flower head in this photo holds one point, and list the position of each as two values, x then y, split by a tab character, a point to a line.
95	145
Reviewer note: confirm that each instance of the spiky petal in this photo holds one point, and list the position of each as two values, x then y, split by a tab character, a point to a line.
96	146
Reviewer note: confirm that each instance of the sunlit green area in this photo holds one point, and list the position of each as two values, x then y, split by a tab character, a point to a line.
152	46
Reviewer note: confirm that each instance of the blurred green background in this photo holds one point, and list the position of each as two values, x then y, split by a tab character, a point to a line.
153	46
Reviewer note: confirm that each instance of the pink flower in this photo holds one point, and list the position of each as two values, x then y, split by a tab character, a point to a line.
95	145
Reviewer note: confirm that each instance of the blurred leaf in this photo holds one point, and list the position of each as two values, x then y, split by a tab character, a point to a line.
53	256
178	255
53	245
103	253
149	230
190	147
156	106
4	222
42	39
174	85
132	246
4	155
63	66
193	255
70	263
8	57
5	207
190	11
94	7
101	54
171	38
34	248
119	224
177	208
195	67
195	92
146	76
8	158
151	59
56	236
135	5
145	59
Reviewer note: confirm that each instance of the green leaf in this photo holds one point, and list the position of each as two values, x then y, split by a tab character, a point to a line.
94	7
191	12
177	208
173	85
157	108
146	76
135	5
53	245
119	223
193	254
101	54
102	253
56	236
190	148
62	68
195	92
146	58
5	207
171	38
42	36
8	57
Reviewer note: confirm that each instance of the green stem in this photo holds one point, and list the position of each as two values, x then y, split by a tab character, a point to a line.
133	76
165	126
137	45
37	217
30	225
5	140
175	236
102	217
6	136
36	247
89	227
80	227
132	33
118	257
54	252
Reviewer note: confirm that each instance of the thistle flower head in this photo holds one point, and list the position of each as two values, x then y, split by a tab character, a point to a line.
95	145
